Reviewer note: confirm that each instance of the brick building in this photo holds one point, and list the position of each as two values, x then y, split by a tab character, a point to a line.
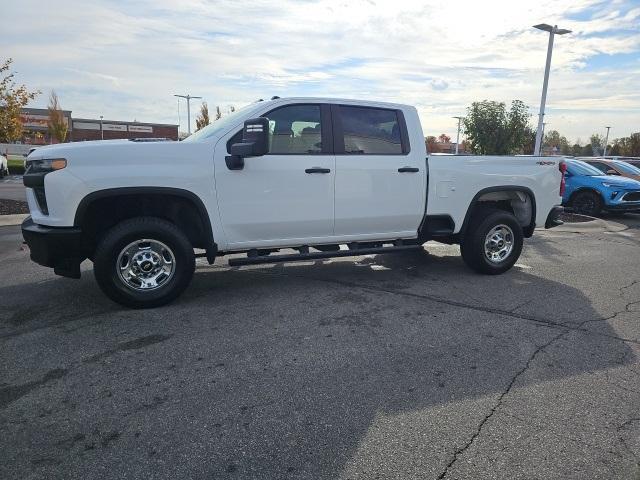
36	131
91	129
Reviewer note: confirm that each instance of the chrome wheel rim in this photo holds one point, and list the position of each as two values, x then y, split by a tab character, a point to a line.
145	265
498	243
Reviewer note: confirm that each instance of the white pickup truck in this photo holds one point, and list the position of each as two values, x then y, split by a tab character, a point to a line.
324	177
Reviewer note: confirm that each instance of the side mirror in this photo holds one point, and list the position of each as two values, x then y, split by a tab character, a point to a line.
255	143
612	172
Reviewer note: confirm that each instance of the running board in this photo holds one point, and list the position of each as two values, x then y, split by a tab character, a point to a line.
254	260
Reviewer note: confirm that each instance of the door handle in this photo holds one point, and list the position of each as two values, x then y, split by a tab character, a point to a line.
317	170
408	169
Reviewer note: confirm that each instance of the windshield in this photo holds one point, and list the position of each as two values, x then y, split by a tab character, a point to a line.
217	126
577	167
627	168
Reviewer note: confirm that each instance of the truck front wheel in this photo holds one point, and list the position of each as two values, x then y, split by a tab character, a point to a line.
493	241
144	262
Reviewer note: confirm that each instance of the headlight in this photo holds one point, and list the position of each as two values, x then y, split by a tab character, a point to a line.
612	185
45	165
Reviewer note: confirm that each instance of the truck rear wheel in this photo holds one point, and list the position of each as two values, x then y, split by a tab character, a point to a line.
493	241
144	262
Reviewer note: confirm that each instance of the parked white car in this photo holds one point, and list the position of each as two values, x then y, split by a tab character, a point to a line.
326	177
4	166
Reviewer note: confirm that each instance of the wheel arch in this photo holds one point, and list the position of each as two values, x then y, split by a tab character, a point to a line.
508	198
141	200
586	189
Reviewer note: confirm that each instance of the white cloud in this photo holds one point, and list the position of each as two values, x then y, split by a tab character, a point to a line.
126	59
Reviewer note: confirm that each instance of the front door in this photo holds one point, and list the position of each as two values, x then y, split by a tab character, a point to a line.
285	197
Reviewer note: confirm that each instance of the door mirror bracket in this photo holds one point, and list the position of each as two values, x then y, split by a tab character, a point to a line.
255	143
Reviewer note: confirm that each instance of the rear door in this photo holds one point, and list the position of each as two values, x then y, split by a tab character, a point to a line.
380	183
286	196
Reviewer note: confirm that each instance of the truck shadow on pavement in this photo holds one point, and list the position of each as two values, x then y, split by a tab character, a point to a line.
341	368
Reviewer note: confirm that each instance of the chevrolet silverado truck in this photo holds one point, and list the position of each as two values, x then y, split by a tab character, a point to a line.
317	177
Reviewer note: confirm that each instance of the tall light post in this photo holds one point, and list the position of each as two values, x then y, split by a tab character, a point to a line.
552	32
458	135
606	142
101	130
188	97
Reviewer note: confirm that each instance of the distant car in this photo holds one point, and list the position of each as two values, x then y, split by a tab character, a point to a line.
4	166
635	161
615	167
588	191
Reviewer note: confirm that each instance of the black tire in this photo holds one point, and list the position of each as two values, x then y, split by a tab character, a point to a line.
112	283
587	203
472	245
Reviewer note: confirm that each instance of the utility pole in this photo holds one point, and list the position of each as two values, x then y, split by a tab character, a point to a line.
101	130
188	97
458	135
552	32
606	141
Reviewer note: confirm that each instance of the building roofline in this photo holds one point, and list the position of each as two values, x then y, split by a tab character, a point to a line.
123	122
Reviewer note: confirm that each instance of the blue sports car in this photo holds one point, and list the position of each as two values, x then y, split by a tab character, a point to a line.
589	192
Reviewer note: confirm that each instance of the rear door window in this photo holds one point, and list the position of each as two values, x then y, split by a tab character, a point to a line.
370	131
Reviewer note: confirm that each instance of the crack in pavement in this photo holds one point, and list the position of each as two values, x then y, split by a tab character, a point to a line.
497	311
498	404
566	329
460	450
627	307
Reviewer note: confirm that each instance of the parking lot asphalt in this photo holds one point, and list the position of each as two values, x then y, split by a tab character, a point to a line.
398	366
12	188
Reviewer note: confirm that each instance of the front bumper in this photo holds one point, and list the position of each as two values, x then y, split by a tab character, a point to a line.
56	247
553	219
623	207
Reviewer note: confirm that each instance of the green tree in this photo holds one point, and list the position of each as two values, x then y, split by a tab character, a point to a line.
627	146
492	130
444	138
616	148
597	144
57	125
202	120
587	151
529	143
576	149
430	141
633	145
554	139
12	99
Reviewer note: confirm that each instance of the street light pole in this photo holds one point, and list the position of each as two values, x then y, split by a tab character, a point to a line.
101	130
552	32
188	97
606	142
458	135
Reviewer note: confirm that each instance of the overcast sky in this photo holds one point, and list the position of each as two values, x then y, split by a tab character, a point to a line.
125	59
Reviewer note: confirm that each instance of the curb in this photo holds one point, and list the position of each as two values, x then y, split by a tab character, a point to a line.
596	225
11	220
